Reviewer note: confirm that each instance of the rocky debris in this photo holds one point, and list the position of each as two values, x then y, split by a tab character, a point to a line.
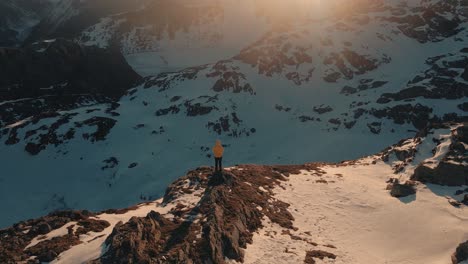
461	253
350	124
364	84
57	132
197	109
14	240
440	81
418	115
132	165
165	80
103	124
282	108
319	254
332	77
335	121
199	106
429	22
304	118
230	78
322	109
230	125
359	63
63	68
170	110
375	127
399	190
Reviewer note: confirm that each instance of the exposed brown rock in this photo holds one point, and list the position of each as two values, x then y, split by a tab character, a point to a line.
320	254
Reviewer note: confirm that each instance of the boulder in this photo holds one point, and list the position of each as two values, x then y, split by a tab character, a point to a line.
461	253
402	190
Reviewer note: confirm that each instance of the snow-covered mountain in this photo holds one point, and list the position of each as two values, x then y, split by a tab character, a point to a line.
277	83
312	213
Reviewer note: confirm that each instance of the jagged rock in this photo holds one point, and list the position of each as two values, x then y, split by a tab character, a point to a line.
137	241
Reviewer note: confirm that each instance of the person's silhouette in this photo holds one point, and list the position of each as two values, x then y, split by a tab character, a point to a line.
218	151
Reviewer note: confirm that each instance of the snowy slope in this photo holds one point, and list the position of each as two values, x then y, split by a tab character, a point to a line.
351	215
327	89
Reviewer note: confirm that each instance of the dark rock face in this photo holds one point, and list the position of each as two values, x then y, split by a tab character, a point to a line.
62	67
461	253
444	174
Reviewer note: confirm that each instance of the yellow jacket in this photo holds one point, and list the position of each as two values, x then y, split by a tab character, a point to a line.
218	149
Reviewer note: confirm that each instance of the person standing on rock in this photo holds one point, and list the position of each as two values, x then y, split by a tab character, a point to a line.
218	151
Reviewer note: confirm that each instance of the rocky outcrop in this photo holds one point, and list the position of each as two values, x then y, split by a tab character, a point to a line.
15	240
399	190
137	240
444	174
452	169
